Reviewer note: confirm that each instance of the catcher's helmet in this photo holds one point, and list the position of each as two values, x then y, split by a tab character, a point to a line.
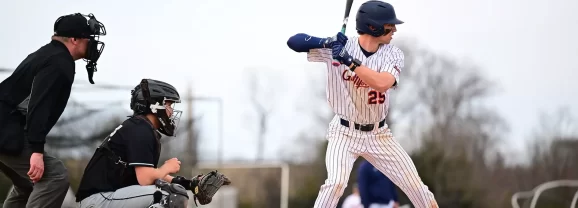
376	14
150	96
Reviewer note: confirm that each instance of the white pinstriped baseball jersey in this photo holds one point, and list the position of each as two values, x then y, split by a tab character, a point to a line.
354	100
347	94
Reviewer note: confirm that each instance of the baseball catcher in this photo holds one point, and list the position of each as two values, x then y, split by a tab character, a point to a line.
123	171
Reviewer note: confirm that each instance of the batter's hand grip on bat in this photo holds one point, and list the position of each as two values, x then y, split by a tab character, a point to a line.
335	62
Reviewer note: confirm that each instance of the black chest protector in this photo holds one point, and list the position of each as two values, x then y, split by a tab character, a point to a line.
107	151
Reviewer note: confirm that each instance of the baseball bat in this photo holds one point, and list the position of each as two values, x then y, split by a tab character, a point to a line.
348	4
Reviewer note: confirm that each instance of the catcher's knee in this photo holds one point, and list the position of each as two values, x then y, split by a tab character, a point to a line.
177	195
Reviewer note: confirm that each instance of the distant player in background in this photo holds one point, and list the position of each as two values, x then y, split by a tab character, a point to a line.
358	92
353	200
375	189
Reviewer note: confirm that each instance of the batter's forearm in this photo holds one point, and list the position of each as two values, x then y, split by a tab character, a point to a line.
378	81
302	42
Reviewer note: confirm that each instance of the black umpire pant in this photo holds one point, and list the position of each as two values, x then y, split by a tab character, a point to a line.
49	192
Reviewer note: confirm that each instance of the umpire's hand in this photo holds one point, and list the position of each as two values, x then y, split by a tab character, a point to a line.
36	167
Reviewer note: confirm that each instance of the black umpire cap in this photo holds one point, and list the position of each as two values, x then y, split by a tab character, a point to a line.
75	26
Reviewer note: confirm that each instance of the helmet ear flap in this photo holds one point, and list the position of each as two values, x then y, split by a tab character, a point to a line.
134	99
137	105
376	29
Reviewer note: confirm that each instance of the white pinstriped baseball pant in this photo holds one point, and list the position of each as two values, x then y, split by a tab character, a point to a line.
380	149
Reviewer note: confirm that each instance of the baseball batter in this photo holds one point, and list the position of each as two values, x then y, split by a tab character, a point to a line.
358	92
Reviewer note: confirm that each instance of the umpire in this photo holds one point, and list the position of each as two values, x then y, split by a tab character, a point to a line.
32	100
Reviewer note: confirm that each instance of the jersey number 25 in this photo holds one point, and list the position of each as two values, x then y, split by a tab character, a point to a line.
375	97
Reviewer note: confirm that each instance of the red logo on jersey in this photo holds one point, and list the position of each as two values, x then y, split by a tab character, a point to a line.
357	82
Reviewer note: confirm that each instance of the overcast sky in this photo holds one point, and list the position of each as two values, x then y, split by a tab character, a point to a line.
527	46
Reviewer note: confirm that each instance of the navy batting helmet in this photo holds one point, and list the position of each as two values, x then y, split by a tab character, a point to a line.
376	14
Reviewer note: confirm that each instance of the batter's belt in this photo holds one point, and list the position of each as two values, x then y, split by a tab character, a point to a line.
362	127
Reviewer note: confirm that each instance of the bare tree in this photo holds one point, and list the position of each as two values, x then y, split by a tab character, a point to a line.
442	100
75	131
553	156
185	144
445	98
312	104
316	101
558	124
262	95
554	147
262	114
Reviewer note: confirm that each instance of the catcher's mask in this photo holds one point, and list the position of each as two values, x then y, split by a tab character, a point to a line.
77	26
158	98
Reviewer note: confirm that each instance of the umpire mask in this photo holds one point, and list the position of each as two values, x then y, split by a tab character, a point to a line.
95	46
77	26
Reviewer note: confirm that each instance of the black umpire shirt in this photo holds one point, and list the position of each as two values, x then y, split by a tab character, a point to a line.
39	88
136	142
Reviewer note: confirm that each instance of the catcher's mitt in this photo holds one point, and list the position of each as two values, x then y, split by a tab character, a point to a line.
207	185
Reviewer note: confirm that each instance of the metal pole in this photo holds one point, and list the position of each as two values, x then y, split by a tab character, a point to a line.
284	186
220	148
191	144
220	142
221	124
